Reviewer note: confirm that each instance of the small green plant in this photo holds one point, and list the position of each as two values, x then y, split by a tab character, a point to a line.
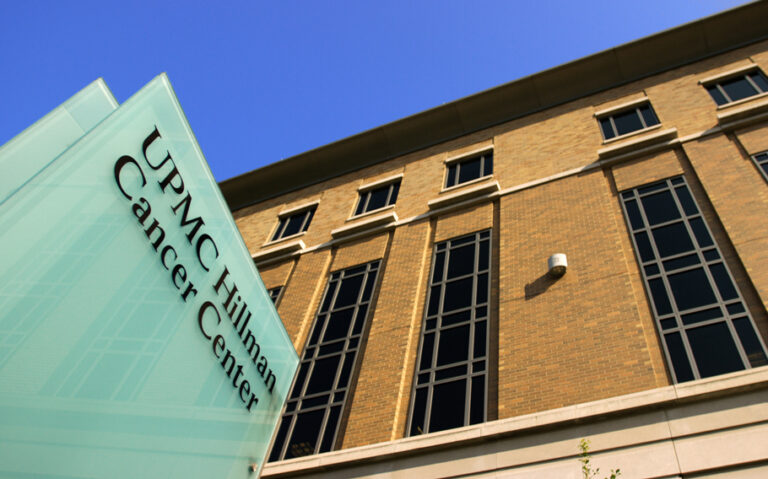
586	467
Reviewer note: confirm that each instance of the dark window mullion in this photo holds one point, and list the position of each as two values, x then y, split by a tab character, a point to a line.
752	83
613	126
723	92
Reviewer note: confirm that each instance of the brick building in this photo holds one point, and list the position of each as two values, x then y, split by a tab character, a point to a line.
409	265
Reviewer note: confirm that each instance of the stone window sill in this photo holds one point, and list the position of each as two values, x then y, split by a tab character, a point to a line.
446	198
366	224
279	251
638	143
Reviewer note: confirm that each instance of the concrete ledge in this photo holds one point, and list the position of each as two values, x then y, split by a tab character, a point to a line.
640	142
679	413
743	111
463	195
366	224
280	251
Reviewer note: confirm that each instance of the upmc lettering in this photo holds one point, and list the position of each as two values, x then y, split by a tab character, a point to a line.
132	178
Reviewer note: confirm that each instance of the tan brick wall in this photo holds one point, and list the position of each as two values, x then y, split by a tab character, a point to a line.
277	274
361	251
647	170
464	221
382	394
302	295
587	336
581	337
753	139
736	191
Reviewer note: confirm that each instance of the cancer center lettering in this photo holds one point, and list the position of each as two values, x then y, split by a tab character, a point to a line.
136	337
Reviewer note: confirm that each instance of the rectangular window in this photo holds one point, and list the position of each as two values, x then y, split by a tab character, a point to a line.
627	121
450	386
705	327
761	161
275	294
469	169
735	88
377	198
312	415
294	223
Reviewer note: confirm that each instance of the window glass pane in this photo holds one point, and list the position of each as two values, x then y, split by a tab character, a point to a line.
360	319
759	80
723	281
323	374
644	246
378	198
434	300
295	223
668	323
677	263
453	345
672	239
456	318
346	370
714	350
395	191
735	308
482	288
299	383
280	439
652	187
350	289
315	401
652	269
279	230
700	316
330	429
479	346
305	432
711	255
678	357
635	219
448	401
461	261
451	177
458	294
361	204
738	88
716	95
451	372
685	199
369	287
660	207
649	115
605	125
488	164
691	289
338	324
483	256
627	122
419	408
477	404
437	272
660	298
749	341
427	351
469	170
310	215
700	231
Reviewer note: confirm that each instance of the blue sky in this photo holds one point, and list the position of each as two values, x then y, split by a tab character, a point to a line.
262	81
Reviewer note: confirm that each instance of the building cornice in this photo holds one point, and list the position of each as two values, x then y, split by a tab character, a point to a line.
601	71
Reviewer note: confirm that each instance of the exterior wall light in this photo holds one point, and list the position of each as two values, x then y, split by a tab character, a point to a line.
557	263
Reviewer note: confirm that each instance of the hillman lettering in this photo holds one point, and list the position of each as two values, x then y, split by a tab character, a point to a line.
206	251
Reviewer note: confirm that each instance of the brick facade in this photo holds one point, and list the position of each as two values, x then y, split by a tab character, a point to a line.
587	336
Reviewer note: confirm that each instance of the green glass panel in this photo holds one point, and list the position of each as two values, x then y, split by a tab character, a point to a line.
29	151
118	354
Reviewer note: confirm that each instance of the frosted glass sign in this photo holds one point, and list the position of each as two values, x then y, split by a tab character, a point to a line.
136	338
28	152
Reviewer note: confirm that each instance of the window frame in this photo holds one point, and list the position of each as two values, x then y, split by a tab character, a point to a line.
743	73
486	158
634	106
760	160
365	193
657	268
437	328
276	294
338	395
284	219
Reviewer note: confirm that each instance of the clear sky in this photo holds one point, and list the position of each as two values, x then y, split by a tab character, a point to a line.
261	80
